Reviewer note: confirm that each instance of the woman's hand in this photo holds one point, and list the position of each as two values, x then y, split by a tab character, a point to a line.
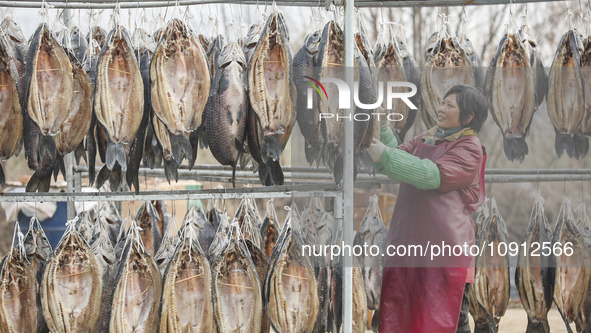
376	149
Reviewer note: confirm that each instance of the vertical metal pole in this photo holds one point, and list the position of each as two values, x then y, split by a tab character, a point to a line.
69	157
348	173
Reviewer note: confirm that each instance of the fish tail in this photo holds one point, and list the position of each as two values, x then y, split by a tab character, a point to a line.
311	151
264	174
116	153
540	327
181	148
171	170
270	148
365	161
564	142
2	177
568	329
132	178
115	178
337	171
194	140
40	181
47	147
80	153
102	176
275	173
59	165
375	321
515	148
581	146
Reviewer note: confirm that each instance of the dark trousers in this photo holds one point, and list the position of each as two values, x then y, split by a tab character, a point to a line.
464	321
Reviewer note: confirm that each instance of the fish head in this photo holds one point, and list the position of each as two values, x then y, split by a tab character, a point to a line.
142	40
312	42
253	35
232	52
13	30
402	48
77	40
432	44
204	41
466	44
99	35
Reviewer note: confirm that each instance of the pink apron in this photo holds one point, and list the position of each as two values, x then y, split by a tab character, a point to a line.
420	294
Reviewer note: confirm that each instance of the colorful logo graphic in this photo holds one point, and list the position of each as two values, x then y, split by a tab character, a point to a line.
318	84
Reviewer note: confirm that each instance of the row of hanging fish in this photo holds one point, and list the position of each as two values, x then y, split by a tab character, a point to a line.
153	274
540	279
140	98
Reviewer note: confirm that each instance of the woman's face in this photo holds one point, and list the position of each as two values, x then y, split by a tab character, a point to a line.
448	114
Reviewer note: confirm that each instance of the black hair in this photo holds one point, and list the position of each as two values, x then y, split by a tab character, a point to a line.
471	101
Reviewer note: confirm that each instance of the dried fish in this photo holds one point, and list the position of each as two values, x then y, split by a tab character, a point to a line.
585	128
186	297
290	291
136	289
37	249
573	270
308	118
236	289
272	96
447	65
227	109
180	86
119	108
204	231
249	221
535	275
18	43
18	286
11	119
170	240
330	65
372	232
492	282
71	286
77	123
270	230
46	99
147	218
395	63
566	94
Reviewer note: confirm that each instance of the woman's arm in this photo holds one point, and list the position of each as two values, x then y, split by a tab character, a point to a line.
399	165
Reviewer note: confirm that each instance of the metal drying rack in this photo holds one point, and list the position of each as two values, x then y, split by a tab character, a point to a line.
344	194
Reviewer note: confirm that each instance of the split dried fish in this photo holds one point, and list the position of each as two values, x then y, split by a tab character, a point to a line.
372	232
11	119
395	63
46	99
186	297
180	85
290	291
447	65
72	285
566	96
270	229
147	218
573	271
136	288
236	289
492	282
18	286
535	275
119	107
272	97
330	64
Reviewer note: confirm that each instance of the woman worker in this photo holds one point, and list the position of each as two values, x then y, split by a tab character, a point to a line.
442	182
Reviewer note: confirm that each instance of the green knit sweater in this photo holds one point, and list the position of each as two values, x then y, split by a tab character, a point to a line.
404	167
